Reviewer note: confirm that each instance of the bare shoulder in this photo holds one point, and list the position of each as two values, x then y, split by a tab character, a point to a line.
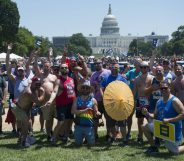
57	81
150	76
177	103
52	76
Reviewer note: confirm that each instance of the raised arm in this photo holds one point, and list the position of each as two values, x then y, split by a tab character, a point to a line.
63	59
152	59
8	66
9	48
85	69
36	67
29	61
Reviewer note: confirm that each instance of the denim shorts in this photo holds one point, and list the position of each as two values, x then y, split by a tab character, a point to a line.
81	132
172	147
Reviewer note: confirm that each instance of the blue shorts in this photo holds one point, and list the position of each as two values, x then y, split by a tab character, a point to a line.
81	132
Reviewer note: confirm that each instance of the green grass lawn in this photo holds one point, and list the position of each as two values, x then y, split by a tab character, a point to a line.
42	150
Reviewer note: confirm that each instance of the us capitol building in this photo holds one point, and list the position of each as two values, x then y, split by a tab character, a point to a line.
110	41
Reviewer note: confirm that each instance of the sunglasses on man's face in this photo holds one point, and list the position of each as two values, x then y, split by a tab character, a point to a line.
114	67
64	68
165	63
163	88
56	69
143	67
85	87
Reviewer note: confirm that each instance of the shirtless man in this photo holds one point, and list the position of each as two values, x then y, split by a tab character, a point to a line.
22	108
48	83
177	87
64	96
178	83
141	82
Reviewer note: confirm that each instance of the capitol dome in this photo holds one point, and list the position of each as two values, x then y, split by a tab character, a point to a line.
109	24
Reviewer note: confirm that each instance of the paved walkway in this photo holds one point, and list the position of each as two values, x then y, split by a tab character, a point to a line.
36	127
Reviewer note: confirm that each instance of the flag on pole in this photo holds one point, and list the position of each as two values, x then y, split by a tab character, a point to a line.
155	42
109	52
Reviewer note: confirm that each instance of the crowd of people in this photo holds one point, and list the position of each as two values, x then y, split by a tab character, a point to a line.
70	92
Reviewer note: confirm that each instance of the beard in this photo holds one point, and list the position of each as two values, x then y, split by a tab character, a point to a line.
178	74
64	73
85	93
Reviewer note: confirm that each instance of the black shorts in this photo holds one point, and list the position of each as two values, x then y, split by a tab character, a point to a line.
111	122
101	107
64	112
138	110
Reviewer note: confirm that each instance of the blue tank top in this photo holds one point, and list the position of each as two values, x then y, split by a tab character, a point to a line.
166	110
85	119
154	97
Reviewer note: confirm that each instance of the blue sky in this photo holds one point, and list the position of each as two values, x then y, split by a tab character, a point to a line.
50	18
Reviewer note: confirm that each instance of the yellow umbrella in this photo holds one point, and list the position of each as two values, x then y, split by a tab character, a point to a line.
118	100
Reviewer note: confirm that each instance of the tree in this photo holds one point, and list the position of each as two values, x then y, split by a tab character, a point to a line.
178	41
9	21
79	44
24	42
140	47
166	49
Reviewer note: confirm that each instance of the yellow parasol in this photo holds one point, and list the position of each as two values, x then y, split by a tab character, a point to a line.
118	100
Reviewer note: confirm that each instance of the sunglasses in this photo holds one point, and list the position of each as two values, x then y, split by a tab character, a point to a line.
114	68
56	69
165	63
85	87
64	68
164	88
143	67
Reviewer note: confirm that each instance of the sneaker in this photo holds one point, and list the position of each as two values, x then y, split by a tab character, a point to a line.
140	141
157	142
64	139
110	140
43	131
25	144
128	136
53	141
107	137
49	138
124	143
152	150
14	132
30	139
